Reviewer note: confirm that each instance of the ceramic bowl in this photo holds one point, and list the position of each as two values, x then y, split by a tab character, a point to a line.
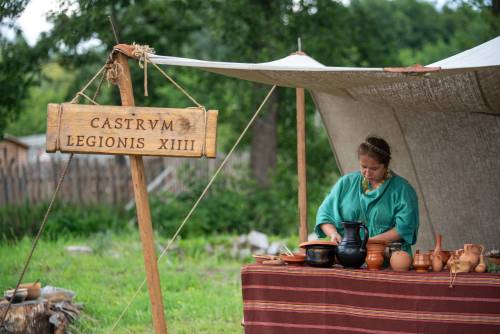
320	253
20	296
297	259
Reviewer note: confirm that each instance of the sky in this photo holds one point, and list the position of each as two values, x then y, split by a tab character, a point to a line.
33	22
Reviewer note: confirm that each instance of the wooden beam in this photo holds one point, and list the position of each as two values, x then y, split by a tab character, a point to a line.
301	163
143	212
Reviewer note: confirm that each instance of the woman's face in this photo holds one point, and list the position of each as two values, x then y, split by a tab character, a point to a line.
371	169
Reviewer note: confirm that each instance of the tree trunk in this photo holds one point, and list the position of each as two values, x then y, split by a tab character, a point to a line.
264	143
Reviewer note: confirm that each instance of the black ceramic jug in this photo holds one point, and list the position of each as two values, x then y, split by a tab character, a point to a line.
351	252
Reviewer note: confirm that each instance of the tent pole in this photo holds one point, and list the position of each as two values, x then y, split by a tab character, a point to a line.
143	212
301	163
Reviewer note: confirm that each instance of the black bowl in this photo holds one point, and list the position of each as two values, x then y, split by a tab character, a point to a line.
321	255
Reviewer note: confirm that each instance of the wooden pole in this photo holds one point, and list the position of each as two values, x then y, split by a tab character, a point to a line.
301	163
143	212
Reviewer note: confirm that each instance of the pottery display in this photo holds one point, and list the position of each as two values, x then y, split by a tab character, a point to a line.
375	254
351	252
400	261
472	253
320	253
421	261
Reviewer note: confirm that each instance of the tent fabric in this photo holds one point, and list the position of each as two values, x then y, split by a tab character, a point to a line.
443	127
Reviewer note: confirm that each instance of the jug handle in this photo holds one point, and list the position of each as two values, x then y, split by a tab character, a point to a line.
365	239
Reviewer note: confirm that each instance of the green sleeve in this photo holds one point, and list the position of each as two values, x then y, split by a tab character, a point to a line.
328	210
407	220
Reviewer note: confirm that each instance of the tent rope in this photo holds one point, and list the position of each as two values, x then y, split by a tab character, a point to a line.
51	204
195	205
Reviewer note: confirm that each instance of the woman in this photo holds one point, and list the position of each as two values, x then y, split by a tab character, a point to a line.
375	195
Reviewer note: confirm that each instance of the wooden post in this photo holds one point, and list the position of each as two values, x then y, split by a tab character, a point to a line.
143	213
301	163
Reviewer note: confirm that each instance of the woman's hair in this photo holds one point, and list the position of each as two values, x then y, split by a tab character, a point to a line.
377	148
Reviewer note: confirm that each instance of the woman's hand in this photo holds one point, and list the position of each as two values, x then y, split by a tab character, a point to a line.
335	237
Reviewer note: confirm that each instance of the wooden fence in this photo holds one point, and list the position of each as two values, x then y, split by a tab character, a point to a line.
98	180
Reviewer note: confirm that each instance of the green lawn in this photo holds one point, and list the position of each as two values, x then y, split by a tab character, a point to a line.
201	292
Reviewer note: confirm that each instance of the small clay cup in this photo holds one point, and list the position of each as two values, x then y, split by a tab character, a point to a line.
421	262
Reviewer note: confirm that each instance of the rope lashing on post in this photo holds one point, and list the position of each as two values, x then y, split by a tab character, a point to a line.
51	203
195	205
141	53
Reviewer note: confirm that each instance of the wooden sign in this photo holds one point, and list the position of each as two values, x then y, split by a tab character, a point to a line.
189	132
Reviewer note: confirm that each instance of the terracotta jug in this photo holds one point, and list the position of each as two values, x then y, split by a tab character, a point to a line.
421	261
472	252
400	261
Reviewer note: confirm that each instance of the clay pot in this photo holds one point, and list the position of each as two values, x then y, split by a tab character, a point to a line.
394	246
320	253
421	262
472	253
481	267
375	257
400	261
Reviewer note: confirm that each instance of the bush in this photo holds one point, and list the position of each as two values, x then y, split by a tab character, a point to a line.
17	221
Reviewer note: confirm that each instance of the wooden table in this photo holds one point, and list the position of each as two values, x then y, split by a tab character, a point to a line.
335	300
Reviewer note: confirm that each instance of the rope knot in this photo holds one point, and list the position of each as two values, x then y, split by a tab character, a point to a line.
141	53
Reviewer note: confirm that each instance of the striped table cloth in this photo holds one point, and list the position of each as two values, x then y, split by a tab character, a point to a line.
334	300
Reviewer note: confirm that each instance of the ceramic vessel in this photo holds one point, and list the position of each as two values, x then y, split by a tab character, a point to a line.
472	253
375	254
320	253
421	261
394	246
437	262
436	259
481	267
351	252
400	261
297	259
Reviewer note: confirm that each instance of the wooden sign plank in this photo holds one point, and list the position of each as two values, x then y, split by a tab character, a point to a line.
76	128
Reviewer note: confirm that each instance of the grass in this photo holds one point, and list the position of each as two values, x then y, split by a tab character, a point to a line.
202	293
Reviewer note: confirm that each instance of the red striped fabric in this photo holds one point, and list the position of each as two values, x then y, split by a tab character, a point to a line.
332	300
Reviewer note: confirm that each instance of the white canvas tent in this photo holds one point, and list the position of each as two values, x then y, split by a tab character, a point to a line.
443	125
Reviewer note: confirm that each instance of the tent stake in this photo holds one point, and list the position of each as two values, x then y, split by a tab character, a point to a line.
301	163
143	212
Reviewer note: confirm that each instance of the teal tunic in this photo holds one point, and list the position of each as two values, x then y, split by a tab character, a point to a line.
392	204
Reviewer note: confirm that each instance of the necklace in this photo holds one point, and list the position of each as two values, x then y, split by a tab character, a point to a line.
367	186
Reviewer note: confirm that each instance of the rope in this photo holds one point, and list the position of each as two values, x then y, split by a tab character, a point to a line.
203	193
51	203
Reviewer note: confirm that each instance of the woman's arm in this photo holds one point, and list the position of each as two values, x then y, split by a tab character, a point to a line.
330	230
389	236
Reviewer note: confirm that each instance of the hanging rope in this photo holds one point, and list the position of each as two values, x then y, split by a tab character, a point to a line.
195	205
51	203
